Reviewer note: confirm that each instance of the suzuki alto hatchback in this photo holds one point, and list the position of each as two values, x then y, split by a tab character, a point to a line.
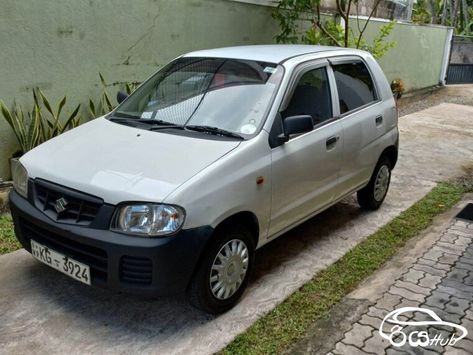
215	155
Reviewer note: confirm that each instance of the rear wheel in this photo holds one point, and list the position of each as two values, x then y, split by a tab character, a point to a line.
223	273
372	196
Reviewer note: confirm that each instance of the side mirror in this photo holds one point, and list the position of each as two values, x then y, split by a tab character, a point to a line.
296	125
121	96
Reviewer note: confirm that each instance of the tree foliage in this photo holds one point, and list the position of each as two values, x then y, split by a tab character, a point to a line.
455	13
301	21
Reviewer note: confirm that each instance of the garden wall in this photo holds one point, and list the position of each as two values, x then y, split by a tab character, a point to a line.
419	55
61	46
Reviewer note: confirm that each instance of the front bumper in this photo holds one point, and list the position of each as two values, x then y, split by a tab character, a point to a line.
146	266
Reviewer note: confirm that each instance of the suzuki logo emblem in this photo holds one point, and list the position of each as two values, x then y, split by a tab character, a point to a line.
61	205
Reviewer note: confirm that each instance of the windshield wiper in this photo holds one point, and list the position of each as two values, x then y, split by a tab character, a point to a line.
156	125
141	120
214	130
164	126
121	115
151	124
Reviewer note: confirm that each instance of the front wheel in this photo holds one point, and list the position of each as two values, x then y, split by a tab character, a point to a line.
372	195
223	273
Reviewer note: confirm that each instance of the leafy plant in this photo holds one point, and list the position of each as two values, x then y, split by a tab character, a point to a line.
41	124
294	16
424	12
52	121
104	104
314	36
454	13
467	30
380	45
27	128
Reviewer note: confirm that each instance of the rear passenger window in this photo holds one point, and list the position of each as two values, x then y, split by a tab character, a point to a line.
354	84
311	97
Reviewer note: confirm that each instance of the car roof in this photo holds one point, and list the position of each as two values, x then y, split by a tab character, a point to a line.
272	53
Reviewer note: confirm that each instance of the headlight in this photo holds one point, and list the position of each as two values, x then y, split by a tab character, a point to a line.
20	178
150	220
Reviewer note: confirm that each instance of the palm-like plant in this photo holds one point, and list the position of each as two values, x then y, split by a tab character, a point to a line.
41	124
104	104
53	123
27	128
44	122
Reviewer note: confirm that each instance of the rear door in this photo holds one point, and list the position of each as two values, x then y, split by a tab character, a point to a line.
362	121
305	169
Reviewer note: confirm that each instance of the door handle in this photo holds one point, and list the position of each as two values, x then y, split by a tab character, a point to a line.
330	143
379	120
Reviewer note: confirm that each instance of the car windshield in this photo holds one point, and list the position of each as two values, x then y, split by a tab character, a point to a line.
229	94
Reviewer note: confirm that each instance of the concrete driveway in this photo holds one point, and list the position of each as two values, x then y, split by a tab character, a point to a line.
42	311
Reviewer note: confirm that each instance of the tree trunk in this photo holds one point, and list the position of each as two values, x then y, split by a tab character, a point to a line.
451	14
433	12
454	13
466	17
347	19
444	13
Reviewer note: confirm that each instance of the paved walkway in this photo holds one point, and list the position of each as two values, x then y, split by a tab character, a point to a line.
43	311
434	272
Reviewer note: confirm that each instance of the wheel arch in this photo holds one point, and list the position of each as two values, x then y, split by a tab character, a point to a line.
391	153
246	217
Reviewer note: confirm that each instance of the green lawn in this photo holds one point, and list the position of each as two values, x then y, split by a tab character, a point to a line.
288	322
8	242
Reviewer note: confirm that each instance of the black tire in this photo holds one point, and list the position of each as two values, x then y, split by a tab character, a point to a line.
367	198
199	292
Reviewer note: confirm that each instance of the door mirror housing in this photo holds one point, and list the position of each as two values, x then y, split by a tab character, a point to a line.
283	128
296	125
121	96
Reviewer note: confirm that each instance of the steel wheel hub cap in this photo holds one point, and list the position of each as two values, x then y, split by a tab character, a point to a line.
382	183
229	269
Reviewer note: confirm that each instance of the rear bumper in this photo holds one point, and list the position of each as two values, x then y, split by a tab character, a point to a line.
145	266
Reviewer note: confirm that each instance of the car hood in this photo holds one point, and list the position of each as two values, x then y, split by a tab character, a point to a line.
121	163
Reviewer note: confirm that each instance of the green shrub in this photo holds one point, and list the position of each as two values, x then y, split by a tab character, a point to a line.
104	104
41	124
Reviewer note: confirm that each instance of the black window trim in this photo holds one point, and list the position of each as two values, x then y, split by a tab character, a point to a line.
297	72
349	59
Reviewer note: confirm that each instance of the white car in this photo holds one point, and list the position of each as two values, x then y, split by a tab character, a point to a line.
215	155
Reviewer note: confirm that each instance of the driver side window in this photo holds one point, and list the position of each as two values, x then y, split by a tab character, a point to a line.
311	97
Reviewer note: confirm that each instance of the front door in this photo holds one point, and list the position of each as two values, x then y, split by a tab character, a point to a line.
305	169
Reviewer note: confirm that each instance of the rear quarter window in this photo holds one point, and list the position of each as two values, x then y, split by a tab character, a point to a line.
355	85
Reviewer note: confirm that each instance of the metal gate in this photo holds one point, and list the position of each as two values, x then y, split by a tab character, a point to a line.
460	68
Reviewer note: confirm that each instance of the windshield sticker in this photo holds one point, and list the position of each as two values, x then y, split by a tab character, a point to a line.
147	114
248	128
152	103
269	70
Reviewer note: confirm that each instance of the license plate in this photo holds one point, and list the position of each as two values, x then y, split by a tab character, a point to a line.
60	262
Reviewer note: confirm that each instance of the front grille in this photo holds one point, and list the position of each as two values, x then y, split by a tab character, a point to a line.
79	208
134	270
95	258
